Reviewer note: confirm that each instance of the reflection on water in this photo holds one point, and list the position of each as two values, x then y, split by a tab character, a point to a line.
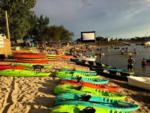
113	57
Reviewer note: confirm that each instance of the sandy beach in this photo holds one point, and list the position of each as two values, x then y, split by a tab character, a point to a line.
35	94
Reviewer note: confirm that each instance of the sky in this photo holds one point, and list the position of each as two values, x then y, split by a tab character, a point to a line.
109	18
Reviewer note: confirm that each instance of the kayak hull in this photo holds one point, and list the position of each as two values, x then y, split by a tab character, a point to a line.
94	92
29	55
3	67
22	73
32	61
91	85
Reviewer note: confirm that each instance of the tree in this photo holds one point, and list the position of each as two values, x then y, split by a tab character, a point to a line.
59	33
19	13
43	32
39	27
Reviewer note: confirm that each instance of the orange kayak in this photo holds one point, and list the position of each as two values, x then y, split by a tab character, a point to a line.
29	55
32	61
91	85
67	57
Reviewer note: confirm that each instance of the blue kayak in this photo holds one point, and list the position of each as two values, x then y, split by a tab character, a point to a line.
118	106
79	71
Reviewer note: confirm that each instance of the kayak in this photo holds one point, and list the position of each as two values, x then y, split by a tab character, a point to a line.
86	107
74	59
93	101
114	73
30	65
92	85
3	67
85	79
32	61
79	72
29	55
63	74
67	57
53	56
141	82
82	90
22	73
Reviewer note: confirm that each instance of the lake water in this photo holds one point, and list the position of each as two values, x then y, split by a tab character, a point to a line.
114	58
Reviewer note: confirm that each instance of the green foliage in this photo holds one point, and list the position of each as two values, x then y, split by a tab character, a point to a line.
42	31
59	33
19	12
39	26
145	38
23	22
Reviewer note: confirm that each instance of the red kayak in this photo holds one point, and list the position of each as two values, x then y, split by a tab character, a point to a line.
29	55
91	85
3	67
32	61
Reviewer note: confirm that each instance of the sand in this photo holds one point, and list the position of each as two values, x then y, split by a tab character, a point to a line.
35	94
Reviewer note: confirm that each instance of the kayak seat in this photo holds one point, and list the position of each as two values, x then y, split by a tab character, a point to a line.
85	97
88	110
78	87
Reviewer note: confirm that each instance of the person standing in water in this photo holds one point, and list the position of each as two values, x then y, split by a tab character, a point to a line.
143	63
99	55
130	63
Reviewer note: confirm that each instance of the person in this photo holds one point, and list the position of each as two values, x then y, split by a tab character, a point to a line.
143	63
130	63
134	51
99	55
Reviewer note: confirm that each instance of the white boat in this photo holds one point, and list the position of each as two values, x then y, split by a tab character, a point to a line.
141	82
87	59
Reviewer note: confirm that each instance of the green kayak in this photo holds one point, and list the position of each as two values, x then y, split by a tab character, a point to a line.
62	74
30	65
22	73
83	90
79	72
81	108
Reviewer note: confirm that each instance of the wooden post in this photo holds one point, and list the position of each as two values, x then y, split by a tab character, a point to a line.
7	25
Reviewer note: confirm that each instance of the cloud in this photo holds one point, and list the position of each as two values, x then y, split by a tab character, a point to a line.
106	17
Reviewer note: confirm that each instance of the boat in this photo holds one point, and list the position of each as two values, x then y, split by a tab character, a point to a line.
92	85
141	82
82	90
53	57
87	107
32	61
29	55
114	73
74	59
22	73
67	57
61	74
5	66
30	65
79	71
86	79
